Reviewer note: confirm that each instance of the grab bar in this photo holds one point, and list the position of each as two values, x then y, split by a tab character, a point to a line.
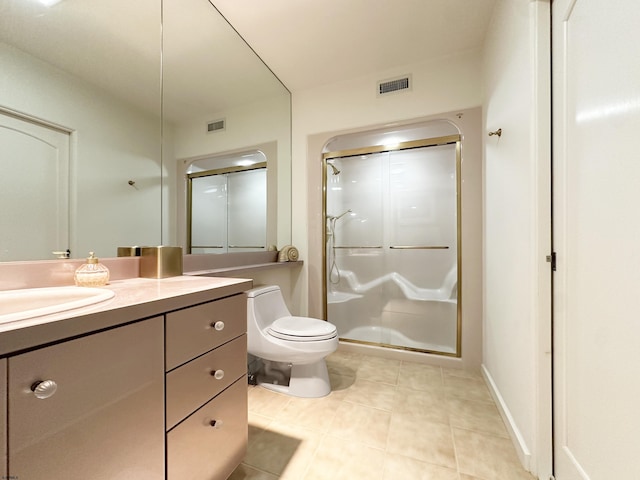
352	246
419	247
207	246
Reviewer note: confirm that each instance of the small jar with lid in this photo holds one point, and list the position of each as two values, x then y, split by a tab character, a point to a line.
92	273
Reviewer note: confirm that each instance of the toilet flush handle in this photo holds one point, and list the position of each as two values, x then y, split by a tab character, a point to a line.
218	326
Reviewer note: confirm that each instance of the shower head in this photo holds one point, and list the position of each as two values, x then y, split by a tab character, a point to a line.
333	167
337	217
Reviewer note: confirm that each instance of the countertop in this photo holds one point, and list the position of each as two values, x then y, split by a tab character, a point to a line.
243	269
135	299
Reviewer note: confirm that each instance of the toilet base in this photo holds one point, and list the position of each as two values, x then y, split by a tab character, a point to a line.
306	381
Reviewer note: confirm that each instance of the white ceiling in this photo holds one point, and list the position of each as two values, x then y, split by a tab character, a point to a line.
117	45
306	43
313	42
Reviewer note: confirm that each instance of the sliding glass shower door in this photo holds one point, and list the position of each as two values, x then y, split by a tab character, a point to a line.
392	246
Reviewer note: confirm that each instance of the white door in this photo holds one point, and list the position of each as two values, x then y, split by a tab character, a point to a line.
597	239
34	190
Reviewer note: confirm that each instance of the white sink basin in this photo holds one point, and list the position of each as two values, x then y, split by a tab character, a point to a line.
34	302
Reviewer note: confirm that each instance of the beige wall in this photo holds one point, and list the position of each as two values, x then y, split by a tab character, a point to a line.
439	89
517	225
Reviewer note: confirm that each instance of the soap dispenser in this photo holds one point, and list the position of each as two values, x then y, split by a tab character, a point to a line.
92	273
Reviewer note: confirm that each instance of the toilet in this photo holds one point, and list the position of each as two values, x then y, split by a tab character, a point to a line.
291	348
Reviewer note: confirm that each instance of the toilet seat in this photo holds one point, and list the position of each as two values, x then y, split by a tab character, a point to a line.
302	329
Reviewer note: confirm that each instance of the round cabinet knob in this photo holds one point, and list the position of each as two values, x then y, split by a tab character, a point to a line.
44	389
217	374
219	325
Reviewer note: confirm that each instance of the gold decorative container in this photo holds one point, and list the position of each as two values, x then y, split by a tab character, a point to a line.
128	251
160	262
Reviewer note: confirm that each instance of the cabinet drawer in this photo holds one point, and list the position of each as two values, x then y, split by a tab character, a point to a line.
192	385
197	450
196	330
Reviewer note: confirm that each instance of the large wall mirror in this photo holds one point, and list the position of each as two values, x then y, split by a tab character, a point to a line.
102	104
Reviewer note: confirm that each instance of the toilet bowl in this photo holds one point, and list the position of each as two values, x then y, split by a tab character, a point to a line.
292	349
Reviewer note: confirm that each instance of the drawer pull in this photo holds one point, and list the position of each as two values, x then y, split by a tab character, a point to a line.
215	423
44	389
218	326
217	374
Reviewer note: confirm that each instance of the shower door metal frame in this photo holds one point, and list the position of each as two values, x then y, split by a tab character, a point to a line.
428	142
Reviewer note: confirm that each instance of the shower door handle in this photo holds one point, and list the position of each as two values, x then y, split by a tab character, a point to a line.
419	247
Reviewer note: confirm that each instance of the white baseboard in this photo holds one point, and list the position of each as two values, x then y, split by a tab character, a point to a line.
524	454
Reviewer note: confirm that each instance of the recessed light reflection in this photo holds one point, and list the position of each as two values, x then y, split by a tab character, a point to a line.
392	142
245	163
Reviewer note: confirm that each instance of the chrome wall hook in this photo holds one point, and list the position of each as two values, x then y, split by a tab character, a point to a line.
498	132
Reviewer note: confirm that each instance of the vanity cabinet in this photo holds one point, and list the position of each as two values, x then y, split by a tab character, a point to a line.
104	421
3	418
153	398
206	389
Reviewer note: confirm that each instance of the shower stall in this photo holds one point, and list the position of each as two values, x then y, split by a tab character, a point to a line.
392	244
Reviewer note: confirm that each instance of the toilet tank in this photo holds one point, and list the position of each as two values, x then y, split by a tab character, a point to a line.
266	304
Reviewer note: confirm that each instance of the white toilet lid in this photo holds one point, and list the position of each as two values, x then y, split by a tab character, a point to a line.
302	329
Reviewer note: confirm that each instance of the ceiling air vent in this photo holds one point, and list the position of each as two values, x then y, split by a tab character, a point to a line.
394	85
215	126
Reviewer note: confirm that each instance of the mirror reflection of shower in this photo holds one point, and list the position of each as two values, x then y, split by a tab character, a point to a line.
334	271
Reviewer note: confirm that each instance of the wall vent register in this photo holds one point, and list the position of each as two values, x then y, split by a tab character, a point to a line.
216	125
394	85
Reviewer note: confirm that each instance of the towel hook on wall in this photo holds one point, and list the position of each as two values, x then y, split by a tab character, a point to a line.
498	132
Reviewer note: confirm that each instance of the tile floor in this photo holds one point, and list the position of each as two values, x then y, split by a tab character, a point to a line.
384	420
